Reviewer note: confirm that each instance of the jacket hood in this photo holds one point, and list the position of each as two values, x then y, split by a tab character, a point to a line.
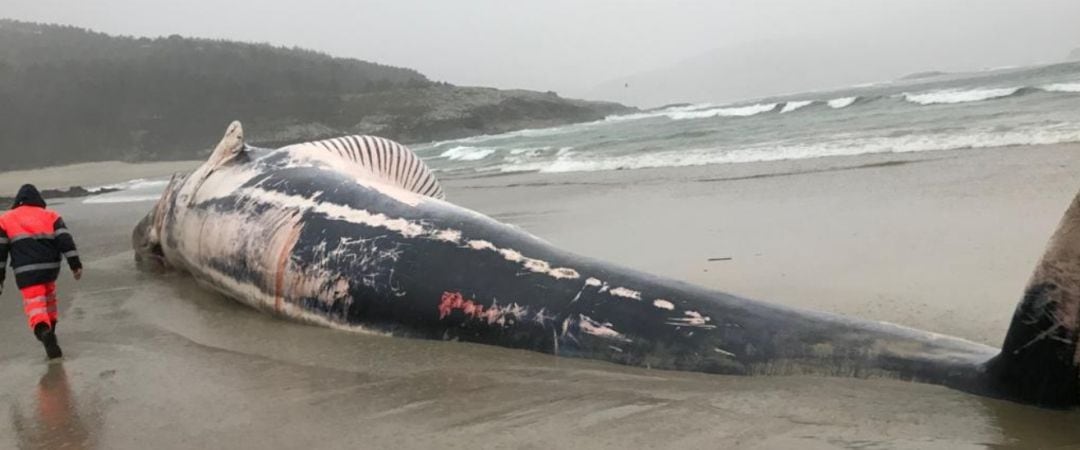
28	196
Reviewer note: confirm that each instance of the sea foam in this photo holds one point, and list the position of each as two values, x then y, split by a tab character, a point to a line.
466	153
734	111
1062	87
975	138
795	105
959	96
844	102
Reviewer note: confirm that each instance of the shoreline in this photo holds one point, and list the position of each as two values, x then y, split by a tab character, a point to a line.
725	172
72	192
89	175
97	174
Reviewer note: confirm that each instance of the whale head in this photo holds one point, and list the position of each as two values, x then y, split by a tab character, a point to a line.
146	237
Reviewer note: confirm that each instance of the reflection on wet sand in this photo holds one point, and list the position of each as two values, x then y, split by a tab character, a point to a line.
1024	426
57	422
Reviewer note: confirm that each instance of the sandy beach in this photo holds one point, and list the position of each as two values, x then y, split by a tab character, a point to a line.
943	241
89	174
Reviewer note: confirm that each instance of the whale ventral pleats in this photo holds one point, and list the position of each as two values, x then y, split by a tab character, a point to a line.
386	160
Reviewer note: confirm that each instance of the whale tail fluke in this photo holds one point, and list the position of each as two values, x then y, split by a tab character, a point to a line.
1039	361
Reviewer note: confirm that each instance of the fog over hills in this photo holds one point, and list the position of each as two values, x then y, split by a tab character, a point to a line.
782	66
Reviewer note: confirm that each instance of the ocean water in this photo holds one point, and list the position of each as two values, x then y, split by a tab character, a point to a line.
137	190
1007	107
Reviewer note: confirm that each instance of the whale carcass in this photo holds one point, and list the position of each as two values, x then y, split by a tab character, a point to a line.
354	233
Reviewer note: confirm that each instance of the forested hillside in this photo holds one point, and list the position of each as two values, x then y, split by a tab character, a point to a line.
73	95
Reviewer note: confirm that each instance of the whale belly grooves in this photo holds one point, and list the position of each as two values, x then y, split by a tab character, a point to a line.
379	158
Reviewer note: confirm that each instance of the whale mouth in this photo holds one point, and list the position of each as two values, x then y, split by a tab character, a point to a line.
153	260
149	255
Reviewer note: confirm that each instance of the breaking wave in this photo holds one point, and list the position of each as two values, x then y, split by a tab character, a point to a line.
951	96
905	116
936	97
844	102
138	183
663	112
1062	87
465	153
980	138
737	111
109	198
137	190
794	105
697	111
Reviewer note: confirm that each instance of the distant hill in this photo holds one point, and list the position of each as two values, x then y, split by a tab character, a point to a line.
74	95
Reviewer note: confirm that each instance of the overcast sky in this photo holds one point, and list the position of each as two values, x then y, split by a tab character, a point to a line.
573	45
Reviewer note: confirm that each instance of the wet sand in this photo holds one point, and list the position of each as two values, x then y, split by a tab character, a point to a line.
942	241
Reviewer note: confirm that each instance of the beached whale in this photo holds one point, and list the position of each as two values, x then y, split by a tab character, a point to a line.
353	233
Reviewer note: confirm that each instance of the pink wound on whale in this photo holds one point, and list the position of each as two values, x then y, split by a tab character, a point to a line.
455	301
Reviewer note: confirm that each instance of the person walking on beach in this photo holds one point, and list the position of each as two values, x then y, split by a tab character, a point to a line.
36	238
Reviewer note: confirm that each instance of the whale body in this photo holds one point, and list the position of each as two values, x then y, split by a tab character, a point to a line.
354	233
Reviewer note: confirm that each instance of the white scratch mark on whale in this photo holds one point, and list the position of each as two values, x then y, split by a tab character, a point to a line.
602	330
542	317
405	228
723	352
448	235
626	293
663	304
480	245
253	296
606	288
691	319
496	315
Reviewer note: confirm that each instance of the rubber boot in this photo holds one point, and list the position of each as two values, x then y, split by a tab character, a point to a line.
47	336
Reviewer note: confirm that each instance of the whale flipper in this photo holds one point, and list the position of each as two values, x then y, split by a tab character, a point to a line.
1039	361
